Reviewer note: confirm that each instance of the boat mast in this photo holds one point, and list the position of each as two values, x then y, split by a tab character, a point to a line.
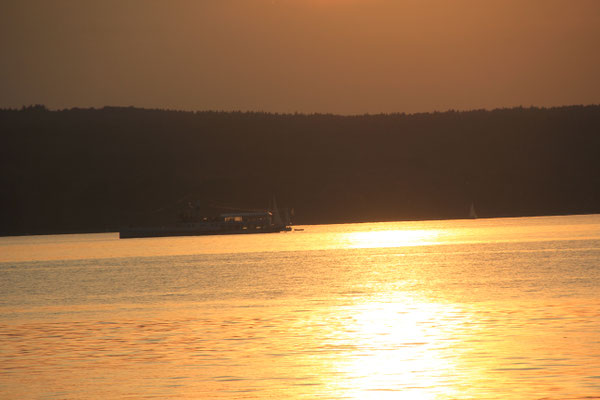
276	216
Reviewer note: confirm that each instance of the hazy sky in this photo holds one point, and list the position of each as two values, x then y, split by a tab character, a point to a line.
338	56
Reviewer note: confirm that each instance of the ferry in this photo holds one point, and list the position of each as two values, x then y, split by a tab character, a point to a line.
224	224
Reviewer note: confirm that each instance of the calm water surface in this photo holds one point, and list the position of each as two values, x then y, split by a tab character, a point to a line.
481	309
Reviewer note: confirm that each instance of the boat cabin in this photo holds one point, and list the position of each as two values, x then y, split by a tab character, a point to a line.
257	218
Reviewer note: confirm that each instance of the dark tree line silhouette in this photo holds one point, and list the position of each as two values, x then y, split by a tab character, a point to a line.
80	170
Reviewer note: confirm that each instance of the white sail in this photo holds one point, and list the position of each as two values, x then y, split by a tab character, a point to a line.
276	216
472	213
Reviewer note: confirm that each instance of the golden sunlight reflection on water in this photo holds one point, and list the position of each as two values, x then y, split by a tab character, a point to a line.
483	309
396	347
314	237
391	238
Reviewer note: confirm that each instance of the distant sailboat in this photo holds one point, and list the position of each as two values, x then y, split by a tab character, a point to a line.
472	213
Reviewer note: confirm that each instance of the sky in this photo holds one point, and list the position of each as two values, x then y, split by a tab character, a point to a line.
324	56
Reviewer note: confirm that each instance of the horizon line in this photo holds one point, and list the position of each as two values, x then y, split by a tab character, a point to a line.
43	107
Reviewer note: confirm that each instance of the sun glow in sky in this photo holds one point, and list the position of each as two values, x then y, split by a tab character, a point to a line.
338	56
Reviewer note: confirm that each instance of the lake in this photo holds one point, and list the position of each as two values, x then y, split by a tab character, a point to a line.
504	308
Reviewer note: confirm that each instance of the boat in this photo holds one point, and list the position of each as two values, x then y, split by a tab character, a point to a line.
472	213
224	224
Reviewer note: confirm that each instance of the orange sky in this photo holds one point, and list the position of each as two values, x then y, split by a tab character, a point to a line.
337	56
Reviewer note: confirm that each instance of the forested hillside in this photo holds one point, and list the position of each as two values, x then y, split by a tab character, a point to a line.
98	169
